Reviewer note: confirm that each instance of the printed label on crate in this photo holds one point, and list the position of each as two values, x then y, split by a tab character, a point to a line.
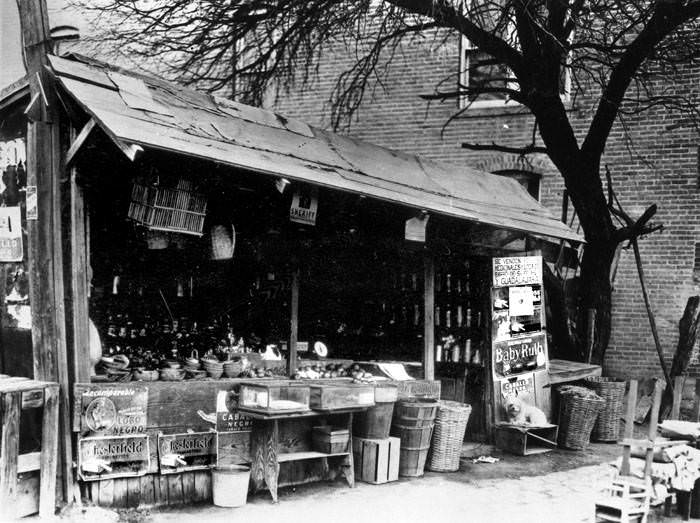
114	411
517	270
228	419
113	457
10	234
188	451
520	355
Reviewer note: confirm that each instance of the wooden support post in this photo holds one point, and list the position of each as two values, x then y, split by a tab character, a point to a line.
677	396
9	449
293	322
429	317
696	404
44	226
49	454
629	427
590	334
653	426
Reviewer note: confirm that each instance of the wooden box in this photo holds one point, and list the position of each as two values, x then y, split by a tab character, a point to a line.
336	396
524	440
330	440
274	397
418	389
376	460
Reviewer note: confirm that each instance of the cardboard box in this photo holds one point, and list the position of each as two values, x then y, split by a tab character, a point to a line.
376	460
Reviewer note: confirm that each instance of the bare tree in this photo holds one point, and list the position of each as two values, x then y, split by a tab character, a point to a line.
617	54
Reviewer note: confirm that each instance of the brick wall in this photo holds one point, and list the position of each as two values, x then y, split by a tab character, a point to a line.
660	165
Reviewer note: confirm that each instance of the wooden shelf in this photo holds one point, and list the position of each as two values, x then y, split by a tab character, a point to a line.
298	456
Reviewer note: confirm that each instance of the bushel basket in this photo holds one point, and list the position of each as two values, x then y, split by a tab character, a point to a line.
607	426
578	410
448	435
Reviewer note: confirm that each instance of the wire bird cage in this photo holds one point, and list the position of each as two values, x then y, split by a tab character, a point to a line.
173	209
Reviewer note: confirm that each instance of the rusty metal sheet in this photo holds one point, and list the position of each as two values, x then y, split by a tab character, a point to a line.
262	141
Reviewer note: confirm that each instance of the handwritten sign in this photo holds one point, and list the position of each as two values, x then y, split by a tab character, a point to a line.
520	355
113	457
114	411
519	270
188	451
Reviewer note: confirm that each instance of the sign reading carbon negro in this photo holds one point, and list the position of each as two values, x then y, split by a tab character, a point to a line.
115	411
517	270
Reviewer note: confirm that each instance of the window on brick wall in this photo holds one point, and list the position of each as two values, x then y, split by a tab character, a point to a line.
528	179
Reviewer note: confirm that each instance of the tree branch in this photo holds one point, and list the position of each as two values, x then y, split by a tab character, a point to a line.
522	151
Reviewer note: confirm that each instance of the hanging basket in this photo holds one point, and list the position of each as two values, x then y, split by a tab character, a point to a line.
223	242
578	409
607	426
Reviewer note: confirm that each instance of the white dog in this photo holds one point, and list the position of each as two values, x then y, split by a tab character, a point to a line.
520	413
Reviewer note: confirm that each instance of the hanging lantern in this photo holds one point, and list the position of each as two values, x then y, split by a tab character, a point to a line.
223	242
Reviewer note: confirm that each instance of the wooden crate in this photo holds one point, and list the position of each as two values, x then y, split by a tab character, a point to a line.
27	481
523	440
418	389
376	460
341	396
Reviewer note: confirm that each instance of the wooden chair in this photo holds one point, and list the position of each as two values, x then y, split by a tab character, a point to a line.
628	497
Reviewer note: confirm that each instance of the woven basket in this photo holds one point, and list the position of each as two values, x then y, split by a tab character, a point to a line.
607	426
577	416
448	435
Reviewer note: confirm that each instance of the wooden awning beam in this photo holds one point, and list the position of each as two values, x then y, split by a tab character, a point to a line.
80	140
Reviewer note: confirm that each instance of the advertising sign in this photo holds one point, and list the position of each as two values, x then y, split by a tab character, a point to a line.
11	249
520	355
304	206
228	419
188	451
118	412
113	457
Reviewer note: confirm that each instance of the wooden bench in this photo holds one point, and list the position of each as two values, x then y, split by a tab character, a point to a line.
27	481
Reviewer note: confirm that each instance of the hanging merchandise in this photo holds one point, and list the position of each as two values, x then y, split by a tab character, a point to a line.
223	242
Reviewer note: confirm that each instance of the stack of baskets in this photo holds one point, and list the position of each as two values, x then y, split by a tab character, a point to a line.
213	367
578	410
448	435
607	426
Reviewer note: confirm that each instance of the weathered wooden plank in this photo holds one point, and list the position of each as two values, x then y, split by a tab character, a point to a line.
134	492
202	485
175	496
147	490
188	491
105	497
293	321
121	492
79	140
9	447
429	317
678	382
49	453
629	426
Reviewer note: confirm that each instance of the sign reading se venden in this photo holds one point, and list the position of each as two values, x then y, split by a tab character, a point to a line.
520	355
188	451
517	270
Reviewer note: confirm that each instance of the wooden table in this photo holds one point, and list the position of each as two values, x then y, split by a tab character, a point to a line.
286	438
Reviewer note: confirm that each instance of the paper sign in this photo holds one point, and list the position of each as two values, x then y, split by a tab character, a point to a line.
304	206
520	386
10	234
520	270
521	301
415	228
118	411
32	203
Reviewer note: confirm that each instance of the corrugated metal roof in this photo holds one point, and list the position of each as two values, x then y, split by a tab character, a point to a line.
153	113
